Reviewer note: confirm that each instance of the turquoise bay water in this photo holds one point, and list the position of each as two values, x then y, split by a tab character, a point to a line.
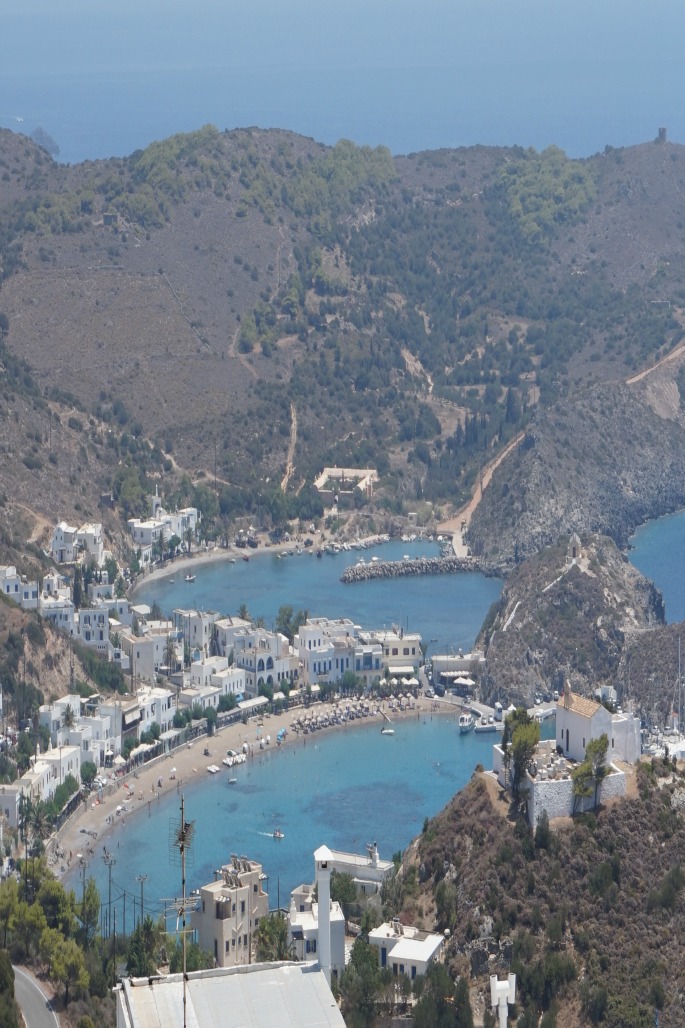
448	610
344	788
658	551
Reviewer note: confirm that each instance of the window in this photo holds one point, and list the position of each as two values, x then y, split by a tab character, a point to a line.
254	887
242	906
228	945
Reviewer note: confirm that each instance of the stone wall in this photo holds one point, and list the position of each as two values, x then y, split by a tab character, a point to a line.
556	795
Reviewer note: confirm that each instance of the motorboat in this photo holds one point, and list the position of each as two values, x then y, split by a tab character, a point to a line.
213	769
278	834
387	730
232	781
190	578
466	722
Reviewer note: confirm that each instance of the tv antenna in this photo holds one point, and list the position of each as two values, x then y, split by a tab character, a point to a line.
181	838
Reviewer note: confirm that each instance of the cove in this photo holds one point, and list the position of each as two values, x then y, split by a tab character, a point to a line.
448	610
344	788
658	551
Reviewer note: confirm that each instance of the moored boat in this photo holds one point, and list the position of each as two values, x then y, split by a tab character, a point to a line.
466	722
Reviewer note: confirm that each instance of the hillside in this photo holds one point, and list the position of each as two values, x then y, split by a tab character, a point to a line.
558	621
411	312
591	926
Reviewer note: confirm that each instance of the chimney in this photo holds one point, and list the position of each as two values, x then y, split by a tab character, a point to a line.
322	859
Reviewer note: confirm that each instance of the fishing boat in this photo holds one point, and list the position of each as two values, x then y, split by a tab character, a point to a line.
278	834
466	722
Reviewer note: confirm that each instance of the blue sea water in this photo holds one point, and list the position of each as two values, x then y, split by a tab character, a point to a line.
658	551
105	78
448	610
343	788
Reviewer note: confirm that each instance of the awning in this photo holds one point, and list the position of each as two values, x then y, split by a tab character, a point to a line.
131	718
404	669
118	760
257	701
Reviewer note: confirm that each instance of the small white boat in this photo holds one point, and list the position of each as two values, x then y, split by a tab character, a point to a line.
190	578
278	834
213	769
387	730
466	722
232	781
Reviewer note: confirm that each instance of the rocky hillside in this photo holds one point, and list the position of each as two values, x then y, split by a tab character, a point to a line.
588	915
557	620
254	303
601	461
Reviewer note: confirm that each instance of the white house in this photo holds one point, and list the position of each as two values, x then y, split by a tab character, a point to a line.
404	949
367	870
197	628
328	649
157	706
401	650
201	671
18	588
267	659
59	610
69	544
303	928
580	719
91	628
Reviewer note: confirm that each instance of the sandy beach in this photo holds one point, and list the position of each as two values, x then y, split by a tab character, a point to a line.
200	555
137	791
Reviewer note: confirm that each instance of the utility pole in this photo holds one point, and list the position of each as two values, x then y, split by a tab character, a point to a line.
83	883
142	879
109	861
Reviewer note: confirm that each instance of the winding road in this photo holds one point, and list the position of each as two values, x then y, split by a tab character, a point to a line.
35	1006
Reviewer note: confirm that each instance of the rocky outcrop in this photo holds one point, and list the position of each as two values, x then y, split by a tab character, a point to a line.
418	566
600	462
559	620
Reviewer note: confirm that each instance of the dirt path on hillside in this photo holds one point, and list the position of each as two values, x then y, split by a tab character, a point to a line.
463	517
678	352
289	462
673	355
42	525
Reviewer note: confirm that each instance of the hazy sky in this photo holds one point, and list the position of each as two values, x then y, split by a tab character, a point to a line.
415	72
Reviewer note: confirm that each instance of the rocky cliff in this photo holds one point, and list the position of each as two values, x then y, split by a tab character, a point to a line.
560	618
601	461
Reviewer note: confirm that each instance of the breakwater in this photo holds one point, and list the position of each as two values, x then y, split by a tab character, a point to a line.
418	566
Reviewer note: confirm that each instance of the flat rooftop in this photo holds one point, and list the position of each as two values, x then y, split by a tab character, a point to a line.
279	995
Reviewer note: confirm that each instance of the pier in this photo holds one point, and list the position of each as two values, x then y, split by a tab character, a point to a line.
418	566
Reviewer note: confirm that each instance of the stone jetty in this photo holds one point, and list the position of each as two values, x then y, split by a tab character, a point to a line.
417	566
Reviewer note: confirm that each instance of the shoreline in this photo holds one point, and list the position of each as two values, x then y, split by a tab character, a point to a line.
136	791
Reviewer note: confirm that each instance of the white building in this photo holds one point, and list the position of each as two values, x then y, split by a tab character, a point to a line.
201	671
303	926
149	652
157	707
404	949
70	544
230	910
367	870
580	719
197	629
266	658
401	650
328	649
18	588
59	610
161	525
252	996
91	628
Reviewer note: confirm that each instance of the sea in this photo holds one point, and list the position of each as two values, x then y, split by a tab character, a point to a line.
105	78
658	550
343	788
448	610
